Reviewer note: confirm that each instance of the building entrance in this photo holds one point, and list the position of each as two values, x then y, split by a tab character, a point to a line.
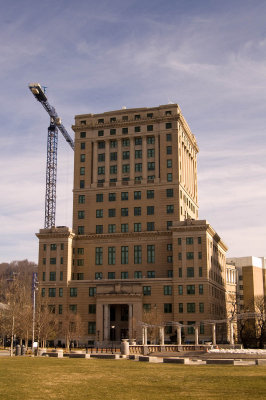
118	322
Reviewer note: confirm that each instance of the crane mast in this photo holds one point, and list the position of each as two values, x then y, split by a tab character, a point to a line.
51	162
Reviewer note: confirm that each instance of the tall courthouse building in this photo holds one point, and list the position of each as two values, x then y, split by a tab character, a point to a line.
137	251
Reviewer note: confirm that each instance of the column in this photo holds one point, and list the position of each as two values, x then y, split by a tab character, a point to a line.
144	158
144	335
95	163
119	160
214	334
107	162
232	333
106	322
161	335
196	335
132	159
179	336
130	321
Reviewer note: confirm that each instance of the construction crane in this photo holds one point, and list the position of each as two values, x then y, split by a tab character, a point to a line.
52	142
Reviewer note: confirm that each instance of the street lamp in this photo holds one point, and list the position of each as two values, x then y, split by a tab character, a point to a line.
34	288
113	334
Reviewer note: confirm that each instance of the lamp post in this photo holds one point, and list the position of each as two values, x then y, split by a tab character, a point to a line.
34	288
113	333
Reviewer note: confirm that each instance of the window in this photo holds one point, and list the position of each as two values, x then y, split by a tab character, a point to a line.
137	274
124	228
99	229
169	150
124	212
60	292
199	240
169	137
190	272
92	308
199	255
167	290
61	275
111	275
169	177
92	291
82	134
112	119
52	276
167	308
101	170
99	197
137	254
191	307
150	226
150	194
169	259
150	274
91	328
82	159
125	155
81	184
111	212
111	255
80	262
80	276
168	224
100	133
80	230
200	272
168	125
151	166
81	214
138	167
150	140
151	253
190	329
98	275
73	292
81	199
137	227
101	121
149	128
169	247
170	209
201	307
101	145
82	146
150	153
125	168
179	256
180	289
189	240
200	289
138	141
44	261
138	153
53	246
98	255
113	156
137	129
169	163
52	292
190	289
101	157
150	210
111	228
180	308
201	328
124	255
168	112
137	211
190	255
99	213
112	131
124	196
137	195
82	170
179	241
124	275
146	290
113	169
124	131
170	273
113	144
147	307
43	292
125	142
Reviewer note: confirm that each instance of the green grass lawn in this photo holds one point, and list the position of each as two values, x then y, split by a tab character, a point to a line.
62	379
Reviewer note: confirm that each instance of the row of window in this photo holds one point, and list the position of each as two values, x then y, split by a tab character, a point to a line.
126	154
54	246
137	129
124	211
137	195
138	179
125	255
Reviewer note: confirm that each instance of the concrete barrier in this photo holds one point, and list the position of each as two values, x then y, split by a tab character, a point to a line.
261	361
78	355
176	360
221	361
149	359
106	356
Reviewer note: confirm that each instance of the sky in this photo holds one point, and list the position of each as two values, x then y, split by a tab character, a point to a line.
94	56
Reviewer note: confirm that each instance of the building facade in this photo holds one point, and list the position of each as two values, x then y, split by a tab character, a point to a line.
137	252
